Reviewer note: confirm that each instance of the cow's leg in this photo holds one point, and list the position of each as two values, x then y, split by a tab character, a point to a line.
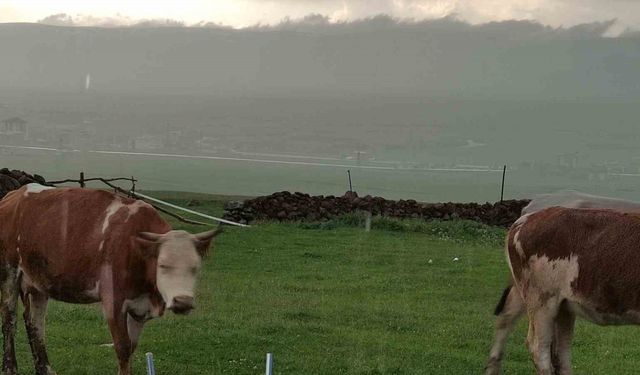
9	299
529	340
121	341
512	308
134	328
125	332
35	309
541	333
561	353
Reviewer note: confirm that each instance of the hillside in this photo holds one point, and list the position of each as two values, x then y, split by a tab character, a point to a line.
444	57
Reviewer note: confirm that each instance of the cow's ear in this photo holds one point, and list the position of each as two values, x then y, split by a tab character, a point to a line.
149	236
148	244
203	240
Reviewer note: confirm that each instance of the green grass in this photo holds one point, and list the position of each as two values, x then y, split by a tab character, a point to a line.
332	299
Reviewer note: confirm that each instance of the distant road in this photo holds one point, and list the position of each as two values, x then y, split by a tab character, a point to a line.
250	160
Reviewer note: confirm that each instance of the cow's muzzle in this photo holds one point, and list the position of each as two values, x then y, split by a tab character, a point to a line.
182	305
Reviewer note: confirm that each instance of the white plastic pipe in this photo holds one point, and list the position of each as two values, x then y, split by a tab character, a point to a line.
189	211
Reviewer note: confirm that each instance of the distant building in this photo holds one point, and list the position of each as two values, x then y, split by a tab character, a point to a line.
569	160
14	128
13	125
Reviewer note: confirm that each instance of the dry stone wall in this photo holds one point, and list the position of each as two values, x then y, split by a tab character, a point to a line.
286	206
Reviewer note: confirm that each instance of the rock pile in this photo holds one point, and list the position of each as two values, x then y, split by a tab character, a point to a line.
286	206
14	179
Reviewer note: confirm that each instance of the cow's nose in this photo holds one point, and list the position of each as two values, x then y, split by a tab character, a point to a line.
182	305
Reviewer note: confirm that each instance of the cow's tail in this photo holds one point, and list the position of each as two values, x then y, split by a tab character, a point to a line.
503	301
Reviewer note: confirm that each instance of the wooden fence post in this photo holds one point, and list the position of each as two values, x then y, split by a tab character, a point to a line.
504	171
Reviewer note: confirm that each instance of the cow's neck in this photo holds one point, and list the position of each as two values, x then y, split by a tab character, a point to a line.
141	292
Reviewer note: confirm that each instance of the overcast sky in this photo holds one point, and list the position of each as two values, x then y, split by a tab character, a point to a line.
241	13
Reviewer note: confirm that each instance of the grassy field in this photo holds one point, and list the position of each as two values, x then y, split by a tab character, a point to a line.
333	299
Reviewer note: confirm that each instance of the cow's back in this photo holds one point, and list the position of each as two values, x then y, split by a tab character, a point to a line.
576	199
61	237
589	257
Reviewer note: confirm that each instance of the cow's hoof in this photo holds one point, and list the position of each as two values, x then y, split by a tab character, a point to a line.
493	367
47	371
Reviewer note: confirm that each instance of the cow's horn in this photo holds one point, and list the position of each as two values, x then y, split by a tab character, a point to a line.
208	235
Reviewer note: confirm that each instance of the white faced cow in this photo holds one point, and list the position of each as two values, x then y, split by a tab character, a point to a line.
86	246
511	306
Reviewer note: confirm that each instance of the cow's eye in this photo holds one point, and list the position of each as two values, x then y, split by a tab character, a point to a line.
194	270
164	267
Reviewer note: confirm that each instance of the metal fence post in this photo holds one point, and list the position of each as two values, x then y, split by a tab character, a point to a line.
151	370
269	370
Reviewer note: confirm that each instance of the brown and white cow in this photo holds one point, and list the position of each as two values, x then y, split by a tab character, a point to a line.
569	263
511	306
86	246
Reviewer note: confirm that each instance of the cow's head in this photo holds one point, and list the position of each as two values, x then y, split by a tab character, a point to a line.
179	256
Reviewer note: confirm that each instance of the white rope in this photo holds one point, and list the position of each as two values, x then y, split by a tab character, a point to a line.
188	210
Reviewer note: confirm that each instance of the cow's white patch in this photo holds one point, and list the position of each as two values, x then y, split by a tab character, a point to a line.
517	244
545	279
133	208
115	206
110	211
34	188
509	260
106	290
517	226
101	246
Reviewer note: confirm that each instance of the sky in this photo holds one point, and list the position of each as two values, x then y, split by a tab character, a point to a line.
243	13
